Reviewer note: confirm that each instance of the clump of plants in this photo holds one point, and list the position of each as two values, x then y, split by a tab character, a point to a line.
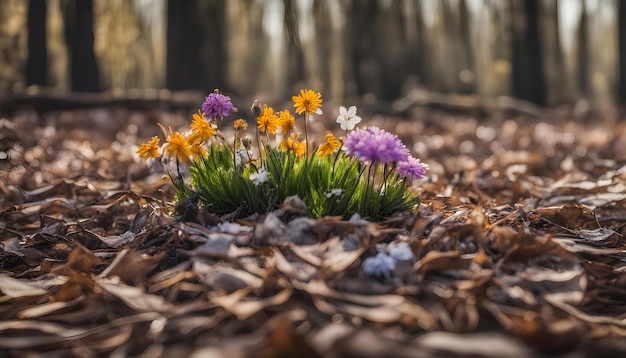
369	171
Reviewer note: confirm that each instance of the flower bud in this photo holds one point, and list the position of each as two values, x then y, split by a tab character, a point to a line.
256	108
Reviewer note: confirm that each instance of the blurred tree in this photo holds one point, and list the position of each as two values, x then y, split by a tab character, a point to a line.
293	51
582	53
528	78
79	38
213	14
183	42
621	9
559	86
36	64
195	44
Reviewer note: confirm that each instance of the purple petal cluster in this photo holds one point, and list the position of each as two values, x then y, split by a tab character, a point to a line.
375	145
412	168
216	105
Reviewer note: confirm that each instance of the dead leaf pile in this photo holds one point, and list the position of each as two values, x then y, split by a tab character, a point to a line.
516	250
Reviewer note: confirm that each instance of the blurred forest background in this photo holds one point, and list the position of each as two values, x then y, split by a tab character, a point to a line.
550	52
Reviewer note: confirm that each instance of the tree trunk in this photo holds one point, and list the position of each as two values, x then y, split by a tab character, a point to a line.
212	17
528	78
363	31
195	45
558	84
36	65
583	59
79	38
183	67
621	9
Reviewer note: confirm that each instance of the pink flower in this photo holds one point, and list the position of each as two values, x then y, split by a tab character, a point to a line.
216	105
412	168
375	145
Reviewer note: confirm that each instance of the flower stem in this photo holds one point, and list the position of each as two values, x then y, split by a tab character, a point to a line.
386	175
335	162
306	134
367	189
235	151
258	144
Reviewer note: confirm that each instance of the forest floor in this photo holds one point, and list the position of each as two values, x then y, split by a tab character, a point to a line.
518	248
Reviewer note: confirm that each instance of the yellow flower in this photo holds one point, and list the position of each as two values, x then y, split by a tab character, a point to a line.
267	121
240	124
198	151
201	130
150	149
298	148
286	121
330	145
307	101
294	144
198	116
178	147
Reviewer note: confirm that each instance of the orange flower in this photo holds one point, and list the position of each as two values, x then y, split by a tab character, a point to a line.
294	144
198	151
201	130
177	147
330	145
267	122
299	148
150	149
240	124
307	101
286	121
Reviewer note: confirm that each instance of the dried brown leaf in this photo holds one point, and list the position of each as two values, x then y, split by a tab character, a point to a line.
134	297
237	304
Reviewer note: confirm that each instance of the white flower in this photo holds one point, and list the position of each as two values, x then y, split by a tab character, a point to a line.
259	177
333	192
231	228
379	266
317	113
400	251
347	118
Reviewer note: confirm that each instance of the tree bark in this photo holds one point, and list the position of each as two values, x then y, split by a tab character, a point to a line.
79	37
363	30
621	10
583	53
195	45
528	77
213	17
36	65
183	45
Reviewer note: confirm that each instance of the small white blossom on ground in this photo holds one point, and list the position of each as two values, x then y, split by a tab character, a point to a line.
356	219
400	251
333	192
347	118
260	177
232	228
379	266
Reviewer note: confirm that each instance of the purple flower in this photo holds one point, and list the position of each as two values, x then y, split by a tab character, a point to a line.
412	168
217	105
375	145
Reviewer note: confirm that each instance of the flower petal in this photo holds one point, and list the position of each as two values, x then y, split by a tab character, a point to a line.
352	111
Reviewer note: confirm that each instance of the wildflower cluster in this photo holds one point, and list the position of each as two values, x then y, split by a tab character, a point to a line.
369	171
